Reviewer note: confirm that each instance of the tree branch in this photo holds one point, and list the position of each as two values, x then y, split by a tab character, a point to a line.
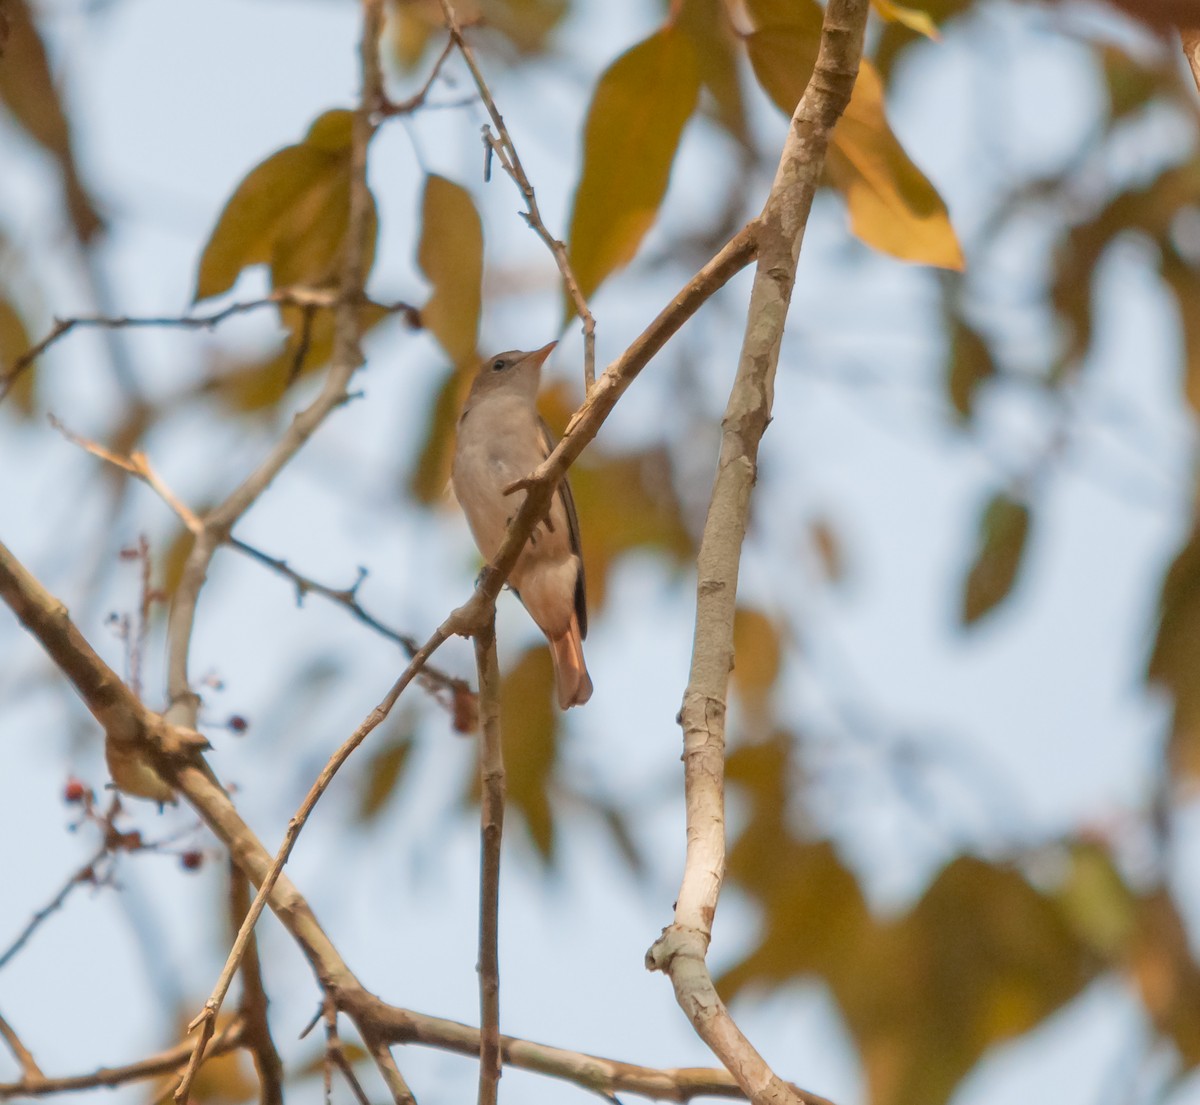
253	1006
491	829
22	1054
682	948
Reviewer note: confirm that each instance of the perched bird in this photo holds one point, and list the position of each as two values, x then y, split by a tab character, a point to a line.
501	440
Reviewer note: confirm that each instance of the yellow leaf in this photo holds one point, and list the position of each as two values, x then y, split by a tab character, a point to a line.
912	18
634	125
893	207
290	212
1003	536
450	254
757	652
14	341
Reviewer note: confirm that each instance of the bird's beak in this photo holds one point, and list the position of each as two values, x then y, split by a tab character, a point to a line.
538	356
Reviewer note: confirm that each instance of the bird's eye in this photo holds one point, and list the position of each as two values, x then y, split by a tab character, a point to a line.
498	365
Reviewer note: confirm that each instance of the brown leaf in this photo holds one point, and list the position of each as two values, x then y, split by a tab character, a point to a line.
1167	975
634	124
1175	660
717	50
28	90
969	366
1003	536
14	341
383	773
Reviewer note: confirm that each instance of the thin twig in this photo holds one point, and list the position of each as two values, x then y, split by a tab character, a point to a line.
347	597
22	1054
502	144
230	1038
491	829
389	108
309	298
85	874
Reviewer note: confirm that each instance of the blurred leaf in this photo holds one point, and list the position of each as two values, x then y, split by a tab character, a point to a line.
1003	535
260	384
1184	281
410	26
525	24
893	207
383	773
225	1079
717	51
1175	660
828	547
290	212
1131	85
14	341
969	366
28	91
982	956
634	125
914	19
450	254
1096	903
529	722
1166	974
431	475
764	770
757	652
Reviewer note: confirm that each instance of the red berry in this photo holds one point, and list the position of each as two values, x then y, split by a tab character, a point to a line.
191	861
74	791
238	724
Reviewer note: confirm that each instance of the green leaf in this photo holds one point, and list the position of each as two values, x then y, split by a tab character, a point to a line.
290	212
634	124
450	254
1003	536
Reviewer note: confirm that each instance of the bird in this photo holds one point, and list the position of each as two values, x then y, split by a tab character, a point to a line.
501	440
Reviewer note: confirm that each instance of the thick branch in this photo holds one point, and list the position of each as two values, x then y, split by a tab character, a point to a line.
682	948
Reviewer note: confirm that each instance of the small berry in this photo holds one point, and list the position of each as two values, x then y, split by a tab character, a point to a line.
238	724
191	861
74	791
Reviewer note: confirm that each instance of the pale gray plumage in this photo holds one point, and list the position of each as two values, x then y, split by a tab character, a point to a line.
502	440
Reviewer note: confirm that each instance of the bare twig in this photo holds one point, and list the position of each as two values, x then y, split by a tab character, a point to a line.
388	108
501	144
230	1038
22	1054
682	948
83	875
491	829
308	298
347	597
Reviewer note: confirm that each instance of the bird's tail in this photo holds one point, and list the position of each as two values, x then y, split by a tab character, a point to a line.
570	672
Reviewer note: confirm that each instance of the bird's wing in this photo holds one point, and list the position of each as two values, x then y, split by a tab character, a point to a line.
568	502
